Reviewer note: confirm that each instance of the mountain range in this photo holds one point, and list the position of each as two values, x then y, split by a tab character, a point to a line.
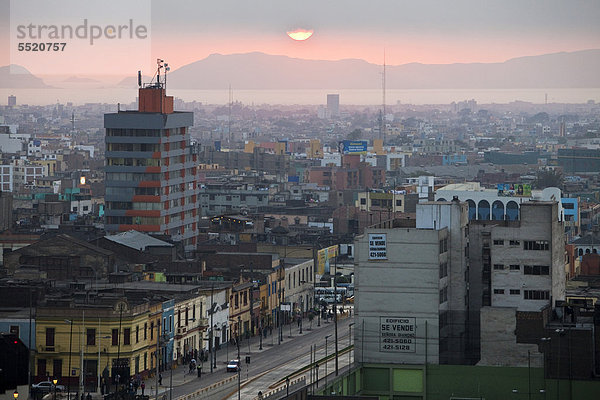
17	77
256	71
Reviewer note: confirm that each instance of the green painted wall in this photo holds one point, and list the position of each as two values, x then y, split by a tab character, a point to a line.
395	382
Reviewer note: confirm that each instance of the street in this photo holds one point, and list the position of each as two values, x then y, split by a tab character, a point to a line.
274	362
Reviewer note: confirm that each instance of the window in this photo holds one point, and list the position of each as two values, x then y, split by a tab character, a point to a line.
536	245
115	337
443	295
443	319
443	270
515	291
152	330
536	295
363	201
137	333
498	267
515	242
443	245
50	337
145	330
515	267
127	336
498	242
398	203
91	337
498	291
568	206
536	270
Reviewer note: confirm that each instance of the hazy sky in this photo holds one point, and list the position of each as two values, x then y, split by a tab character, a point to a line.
426	31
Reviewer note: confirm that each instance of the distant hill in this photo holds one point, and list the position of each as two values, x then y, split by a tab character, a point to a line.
132	82
262	71
17	77
79	79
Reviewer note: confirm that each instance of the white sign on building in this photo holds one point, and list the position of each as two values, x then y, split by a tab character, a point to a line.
397	334
377	246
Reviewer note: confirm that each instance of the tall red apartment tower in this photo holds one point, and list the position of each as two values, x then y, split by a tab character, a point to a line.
151	174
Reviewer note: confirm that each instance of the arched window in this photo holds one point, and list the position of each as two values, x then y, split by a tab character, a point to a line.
497	210
483	210
472	210
441	199
512	211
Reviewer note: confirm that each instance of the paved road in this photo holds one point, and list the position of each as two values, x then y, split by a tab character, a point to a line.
291	354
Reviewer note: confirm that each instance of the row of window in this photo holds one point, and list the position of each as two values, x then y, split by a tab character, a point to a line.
301	274
527	244
91	335
527	294
500	242
527	269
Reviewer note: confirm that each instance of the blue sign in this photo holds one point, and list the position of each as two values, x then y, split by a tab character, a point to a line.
353	147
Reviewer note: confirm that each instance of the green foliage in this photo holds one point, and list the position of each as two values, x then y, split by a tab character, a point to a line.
549	178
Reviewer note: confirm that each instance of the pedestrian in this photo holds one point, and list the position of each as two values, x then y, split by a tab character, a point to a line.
88	397
143	386
160	379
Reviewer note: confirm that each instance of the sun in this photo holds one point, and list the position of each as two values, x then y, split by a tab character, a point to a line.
300	34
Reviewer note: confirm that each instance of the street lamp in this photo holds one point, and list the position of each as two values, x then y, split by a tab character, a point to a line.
350	344
54	381
326	337
16	395
99	347
70	349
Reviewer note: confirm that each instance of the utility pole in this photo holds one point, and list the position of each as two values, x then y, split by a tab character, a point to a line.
118	368
212	313
239	371
158	322
335	318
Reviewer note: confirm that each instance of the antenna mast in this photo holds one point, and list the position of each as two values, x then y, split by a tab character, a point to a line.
230	103
382	133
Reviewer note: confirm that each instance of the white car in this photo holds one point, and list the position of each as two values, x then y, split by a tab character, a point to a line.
233	366
47	387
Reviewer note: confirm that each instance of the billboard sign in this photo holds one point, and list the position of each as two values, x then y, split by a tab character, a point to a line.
397	334
514	189
353	147
323	257
377	246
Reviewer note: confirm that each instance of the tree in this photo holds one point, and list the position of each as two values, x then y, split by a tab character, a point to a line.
355	134
548	178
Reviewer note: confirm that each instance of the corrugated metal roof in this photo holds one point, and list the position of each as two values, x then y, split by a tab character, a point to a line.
137	240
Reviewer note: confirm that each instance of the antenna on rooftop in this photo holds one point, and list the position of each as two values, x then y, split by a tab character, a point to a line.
139	78
382	129
229	119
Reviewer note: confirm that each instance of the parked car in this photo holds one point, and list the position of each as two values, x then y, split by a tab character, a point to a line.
233	366
46	387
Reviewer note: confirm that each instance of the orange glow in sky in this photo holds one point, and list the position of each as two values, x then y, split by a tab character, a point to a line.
300	34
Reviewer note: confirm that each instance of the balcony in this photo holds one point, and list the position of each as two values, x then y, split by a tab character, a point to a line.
42	348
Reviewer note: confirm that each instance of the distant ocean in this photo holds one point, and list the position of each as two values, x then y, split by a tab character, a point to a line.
307	97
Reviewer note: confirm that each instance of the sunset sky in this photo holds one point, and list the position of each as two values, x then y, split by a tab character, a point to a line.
424	31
